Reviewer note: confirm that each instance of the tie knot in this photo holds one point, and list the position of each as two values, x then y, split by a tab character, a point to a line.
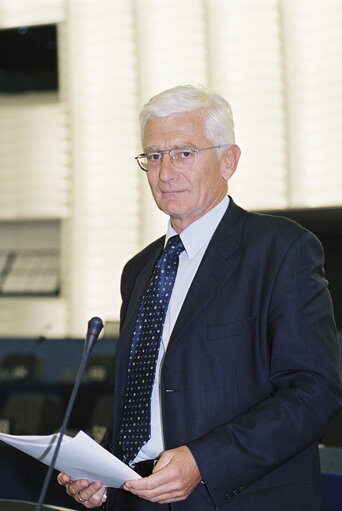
174	246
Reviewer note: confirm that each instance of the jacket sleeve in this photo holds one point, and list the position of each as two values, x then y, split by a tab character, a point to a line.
304	374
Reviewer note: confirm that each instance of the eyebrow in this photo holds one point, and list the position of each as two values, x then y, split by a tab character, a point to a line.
151	148
175	146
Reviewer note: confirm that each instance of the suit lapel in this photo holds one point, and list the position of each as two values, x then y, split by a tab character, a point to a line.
140	285
219	262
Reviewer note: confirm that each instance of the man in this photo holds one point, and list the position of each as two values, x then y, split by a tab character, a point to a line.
246	379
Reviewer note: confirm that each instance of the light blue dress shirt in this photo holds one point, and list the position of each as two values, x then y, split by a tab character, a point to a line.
195	239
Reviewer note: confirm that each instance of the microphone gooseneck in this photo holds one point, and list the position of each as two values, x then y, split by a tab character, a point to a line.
95	326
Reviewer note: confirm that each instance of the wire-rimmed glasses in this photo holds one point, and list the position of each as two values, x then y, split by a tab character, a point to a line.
182	157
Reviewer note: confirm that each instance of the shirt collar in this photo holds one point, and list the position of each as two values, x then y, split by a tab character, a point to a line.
199	233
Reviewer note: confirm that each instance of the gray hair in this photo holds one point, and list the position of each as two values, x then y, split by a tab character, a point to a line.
214	109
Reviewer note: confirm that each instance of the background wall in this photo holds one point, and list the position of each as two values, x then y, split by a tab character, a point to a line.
67	156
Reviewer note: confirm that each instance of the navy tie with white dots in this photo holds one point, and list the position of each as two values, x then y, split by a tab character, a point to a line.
135	428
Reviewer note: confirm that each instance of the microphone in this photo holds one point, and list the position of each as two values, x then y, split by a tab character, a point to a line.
95	326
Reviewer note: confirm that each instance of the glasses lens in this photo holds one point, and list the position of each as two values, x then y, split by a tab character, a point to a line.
183	157
153	160
142	160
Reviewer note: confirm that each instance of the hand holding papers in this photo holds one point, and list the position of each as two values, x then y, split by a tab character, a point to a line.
80	457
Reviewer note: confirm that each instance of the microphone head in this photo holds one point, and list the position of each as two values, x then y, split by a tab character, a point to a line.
95	326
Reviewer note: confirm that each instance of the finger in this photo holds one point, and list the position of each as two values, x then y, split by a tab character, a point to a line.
163	462
159	495
63	479
90	493
165	485
161	475
75	486
151	487
95	499
165	494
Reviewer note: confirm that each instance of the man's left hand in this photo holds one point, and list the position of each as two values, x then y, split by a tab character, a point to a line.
174	477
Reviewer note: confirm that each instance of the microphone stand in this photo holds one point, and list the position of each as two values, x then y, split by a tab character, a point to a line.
95	326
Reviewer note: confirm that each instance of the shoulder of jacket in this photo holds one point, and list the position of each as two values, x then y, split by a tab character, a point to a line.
145	253
275	223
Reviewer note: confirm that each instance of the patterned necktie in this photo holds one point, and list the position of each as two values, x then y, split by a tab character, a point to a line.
136	421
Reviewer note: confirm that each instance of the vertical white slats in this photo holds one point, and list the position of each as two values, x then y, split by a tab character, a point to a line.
35	317
172	51
98	80
15	13
246	68
313	50
34	157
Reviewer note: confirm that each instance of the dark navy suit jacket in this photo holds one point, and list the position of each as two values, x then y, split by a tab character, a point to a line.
250	379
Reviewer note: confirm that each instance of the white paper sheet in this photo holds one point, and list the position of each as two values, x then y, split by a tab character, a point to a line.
80	457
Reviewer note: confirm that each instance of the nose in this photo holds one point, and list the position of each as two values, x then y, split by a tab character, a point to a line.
167	170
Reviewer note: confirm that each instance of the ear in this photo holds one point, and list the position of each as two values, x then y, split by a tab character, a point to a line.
229	161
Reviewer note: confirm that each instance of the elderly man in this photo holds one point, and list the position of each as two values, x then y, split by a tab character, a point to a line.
227	363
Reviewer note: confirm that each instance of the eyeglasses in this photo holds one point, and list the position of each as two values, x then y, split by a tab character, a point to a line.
182	157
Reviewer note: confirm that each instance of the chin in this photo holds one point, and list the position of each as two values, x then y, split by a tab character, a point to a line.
171	207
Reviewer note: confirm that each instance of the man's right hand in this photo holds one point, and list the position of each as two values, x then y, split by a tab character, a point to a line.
90	495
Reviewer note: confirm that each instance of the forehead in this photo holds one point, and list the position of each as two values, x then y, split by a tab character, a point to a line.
165	132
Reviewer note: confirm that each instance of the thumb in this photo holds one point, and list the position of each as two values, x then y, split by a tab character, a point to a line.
163	461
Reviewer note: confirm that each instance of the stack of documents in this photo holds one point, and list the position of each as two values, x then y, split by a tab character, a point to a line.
80	457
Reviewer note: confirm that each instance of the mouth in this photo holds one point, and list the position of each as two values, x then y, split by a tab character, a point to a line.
171	192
